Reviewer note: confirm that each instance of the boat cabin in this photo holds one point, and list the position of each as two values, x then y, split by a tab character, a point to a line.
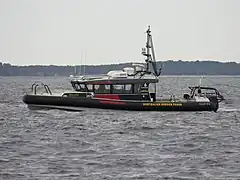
118	87
131	83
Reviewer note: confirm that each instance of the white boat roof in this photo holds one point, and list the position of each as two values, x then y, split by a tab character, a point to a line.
114	77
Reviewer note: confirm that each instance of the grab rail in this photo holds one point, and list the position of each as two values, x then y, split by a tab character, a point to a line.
37	84
47	89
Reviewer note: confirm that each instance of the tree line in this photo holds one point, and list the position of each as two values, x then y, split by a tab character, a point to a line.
169	68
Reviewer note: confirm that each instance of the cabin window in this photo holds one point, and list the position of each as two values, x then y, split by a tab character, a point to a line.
107	87
128	87
122	89
118	88
138	87
80	87
73	85
152	87
90	87
96	87
102	88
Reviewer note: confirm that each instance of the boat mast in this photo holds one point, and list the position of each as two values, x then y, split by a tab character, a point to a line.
148	60
150	56
151	60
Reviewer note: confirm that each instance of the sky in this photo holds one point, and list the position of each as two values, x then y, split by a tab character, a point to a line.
75	32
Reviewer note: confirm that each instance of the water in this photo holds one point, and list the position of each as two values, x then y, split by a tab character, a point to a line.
107	144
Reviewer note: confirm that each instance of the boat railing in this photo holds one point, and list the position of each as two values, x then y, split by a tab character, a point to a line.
35	85
88	77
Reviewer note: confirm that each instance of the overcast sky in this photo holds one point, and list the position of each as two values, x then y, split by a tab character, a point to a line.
112	31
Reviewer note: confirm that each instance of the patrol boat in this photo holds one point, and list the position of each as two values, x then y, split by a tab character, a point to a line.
133	88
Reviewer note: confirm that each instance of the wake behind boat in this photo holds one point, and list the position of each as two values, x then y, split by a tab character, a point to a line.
133	88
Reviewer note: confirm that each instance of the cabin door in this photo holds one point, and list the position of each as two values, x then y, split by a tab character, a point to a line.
144	90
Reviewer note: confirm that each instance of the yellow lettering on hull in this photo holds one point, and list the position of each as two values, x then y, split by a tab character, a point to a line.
162	104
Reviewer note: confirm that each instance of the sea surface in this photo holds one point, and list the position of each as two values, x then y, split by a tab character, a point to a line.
112	144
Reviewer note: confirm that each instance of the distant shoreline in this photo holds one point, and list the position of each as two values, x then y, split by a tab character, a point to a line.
170	68
161	76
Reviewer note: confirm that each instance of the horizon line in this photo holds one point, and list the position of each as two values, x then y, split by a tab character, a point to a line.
127	62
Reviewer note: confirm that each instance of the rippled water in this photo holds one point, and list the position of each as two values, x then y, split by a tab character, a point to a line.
107	144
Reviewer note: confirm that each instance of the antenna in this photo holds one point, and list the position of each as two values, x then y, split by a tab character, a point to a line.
80	71
200	80
85	61
75	71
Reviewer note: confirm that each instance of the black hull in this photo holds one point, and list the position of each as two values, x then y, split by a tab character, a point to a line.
64	103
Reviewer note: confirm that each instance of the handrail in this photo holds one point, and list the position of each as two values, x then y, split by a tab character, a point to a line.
46	87
37	84
33	86
35	89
